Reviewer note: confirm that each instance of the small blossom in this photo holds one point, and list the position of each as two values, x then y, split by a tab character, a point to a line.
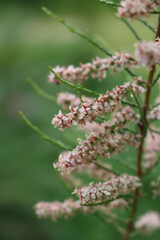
96	69
148	222
148	53
100	192
136	8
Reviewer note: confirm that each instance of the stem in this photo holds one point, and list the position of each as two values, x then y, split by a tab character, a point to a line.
131	29
42	135
147	25
107	169
78	87
140	150
73	30
40	91
156	80
110	4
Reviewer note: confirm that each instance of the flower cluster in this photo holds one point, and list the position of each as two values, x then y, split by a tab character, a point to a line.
148	222
151	150
87	112
156	187
103	143
69	207
101	192
57	209
155	113
136	8
148	53
96	69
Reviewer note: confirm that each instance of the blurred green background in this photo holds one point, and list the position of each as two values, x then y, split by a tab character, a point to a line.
29	42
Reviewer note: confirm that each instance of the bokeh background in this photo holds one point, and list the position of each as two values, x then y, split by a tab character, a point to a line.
29	42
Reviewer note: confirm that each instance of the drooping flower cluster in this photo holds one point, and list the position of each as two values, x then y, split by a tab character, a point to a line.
69	208
148	222
96	69
101	192
155	113
57	209
88	112
104	143
137	8
156	187
148	53
152	149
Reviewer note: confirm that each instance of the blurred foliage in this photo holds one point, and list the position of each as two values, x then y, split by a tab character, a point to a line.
29	42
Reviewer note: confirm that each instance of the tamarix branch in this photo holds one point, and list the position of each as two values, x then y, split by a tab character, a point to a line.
119	122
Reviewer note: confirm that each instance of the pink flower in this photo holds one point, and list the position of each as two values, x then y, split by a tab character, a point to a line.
148	222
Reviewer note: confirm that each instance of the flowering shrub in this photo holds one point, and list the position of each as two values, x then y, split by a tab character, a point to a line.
113	121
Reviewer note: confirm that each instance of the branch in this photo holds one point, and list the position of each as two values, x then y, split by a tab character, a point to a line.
155	12
155	131
73	30
126	164
107	169
78	87
156	80
40	91
147	25
131	28
42	135
130	104
110	4
140	108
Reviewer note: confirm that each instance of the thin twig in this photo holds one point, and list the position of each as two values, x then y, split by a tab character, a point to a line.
156	80
132	29
73	30
140	108
110	4
42	135
78	87
40	91
107	169
147	25
125	163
